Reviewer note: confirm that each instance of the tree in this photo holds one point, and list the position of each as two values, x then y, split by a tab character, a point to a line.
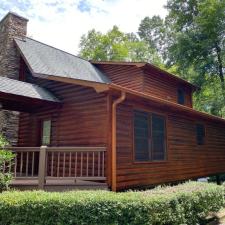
200	37
192	37
199	42
116	46
154	31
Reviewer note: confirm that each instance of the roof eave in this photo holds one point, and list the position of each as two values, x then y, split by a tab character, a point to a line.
99	87
171	75
167	103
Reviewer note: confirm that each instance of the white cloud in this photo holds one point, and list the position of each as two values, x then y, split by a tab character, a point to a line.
61	23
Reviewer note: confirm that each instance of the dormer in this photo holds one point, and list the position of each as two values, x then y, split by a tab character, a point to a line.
149	79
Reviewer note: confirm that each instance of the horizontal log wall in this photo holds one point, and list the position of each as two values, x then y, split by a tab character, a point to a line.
158	84
185	159
124	75
149	81
81	121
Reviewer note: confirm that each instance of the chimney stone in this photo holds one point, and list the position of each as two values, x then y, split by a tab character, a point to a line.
11	26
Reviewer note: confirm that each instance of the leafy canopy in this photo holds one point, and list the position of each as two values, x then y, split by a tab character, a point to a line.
192	40
116	46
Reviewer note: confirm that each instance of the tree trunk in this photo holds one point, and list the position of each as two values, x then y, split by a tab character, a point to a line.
220	69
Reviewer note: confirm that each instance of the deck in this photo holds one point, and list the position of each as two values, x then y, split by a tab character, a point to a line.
58	168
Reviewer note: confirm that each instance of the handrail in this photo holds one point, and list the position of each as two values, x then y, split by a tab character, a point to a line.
77	149
58	149
44	162
23	149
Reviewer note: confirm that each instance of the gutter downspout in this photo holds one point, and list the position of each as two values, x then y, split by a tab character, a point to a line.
114	142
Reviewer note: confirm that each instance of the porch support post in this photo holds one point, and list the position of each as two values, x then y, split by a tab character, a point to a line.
114	141
42	167
218	179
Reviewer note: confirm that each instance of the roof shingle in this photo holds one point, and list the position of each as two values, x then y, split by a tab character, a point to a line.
46	60
15	87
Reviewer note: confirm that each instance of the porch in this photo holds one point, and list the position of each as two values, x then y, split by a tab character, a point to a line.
45	120
58	168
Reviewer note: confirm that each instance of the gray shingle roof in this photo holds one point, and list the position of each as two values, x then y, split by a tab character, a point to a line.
47	60
16	87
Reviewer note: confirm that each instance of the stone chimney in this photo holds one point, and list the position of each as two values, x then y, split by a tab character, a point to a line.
11	26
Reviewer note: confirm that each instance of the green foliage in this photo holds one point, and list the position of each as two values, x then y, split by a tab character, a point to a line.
6	158
3	141
116	46
154	31
188	203
192	39
198	42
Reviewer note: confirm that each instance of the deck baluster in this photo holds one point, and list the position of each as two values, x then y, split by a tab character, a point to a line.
32	166
21	163
27	160
87	166
57	164
93	164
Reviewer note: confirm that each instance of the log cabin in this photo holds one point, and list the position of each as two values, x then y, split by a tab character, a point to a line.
117	125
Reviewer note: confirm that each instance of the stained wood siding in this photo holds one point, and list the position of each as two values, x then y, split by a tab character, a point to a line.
157	84
185	159
148	81
126	76
81	121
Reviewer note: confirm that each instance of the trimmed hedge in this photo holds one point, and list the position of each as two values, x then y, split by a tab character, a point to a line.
187	203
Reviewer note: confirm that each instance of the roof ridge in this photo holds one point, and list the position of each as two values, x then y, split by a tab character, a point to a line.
58	49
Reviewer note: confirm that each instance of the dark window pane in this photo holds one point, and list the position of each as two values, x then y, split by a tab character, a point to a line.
158	137
181	96
141	134
200	134
141	149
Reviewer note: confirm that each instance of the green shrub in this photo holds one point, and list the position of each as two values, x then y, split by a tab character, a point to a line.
6	158
188	203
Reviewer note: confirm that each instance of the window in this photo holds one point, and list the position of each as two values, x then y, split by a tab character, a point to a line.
158	137
181	96
141	134
46	132
200	134
149	136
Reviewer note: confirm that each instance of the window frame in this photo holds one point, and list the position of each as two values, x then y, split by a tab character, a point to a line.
150	112
196	134
181	90
41	133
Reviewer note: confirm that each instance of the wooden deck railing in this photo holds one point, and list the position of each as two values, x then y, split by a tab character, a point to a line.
45	163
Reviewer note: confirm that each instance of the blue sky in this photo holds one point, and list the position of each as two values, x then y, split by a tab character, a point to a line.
62	22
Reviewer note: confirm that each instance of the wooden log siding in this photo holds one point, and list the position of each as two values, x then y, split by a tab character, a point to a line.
185	159
148	81
81	121
126	76
85	120
159	85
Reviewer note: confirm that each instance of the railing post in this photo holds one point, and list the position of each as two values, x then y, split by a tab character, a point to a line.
42	165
